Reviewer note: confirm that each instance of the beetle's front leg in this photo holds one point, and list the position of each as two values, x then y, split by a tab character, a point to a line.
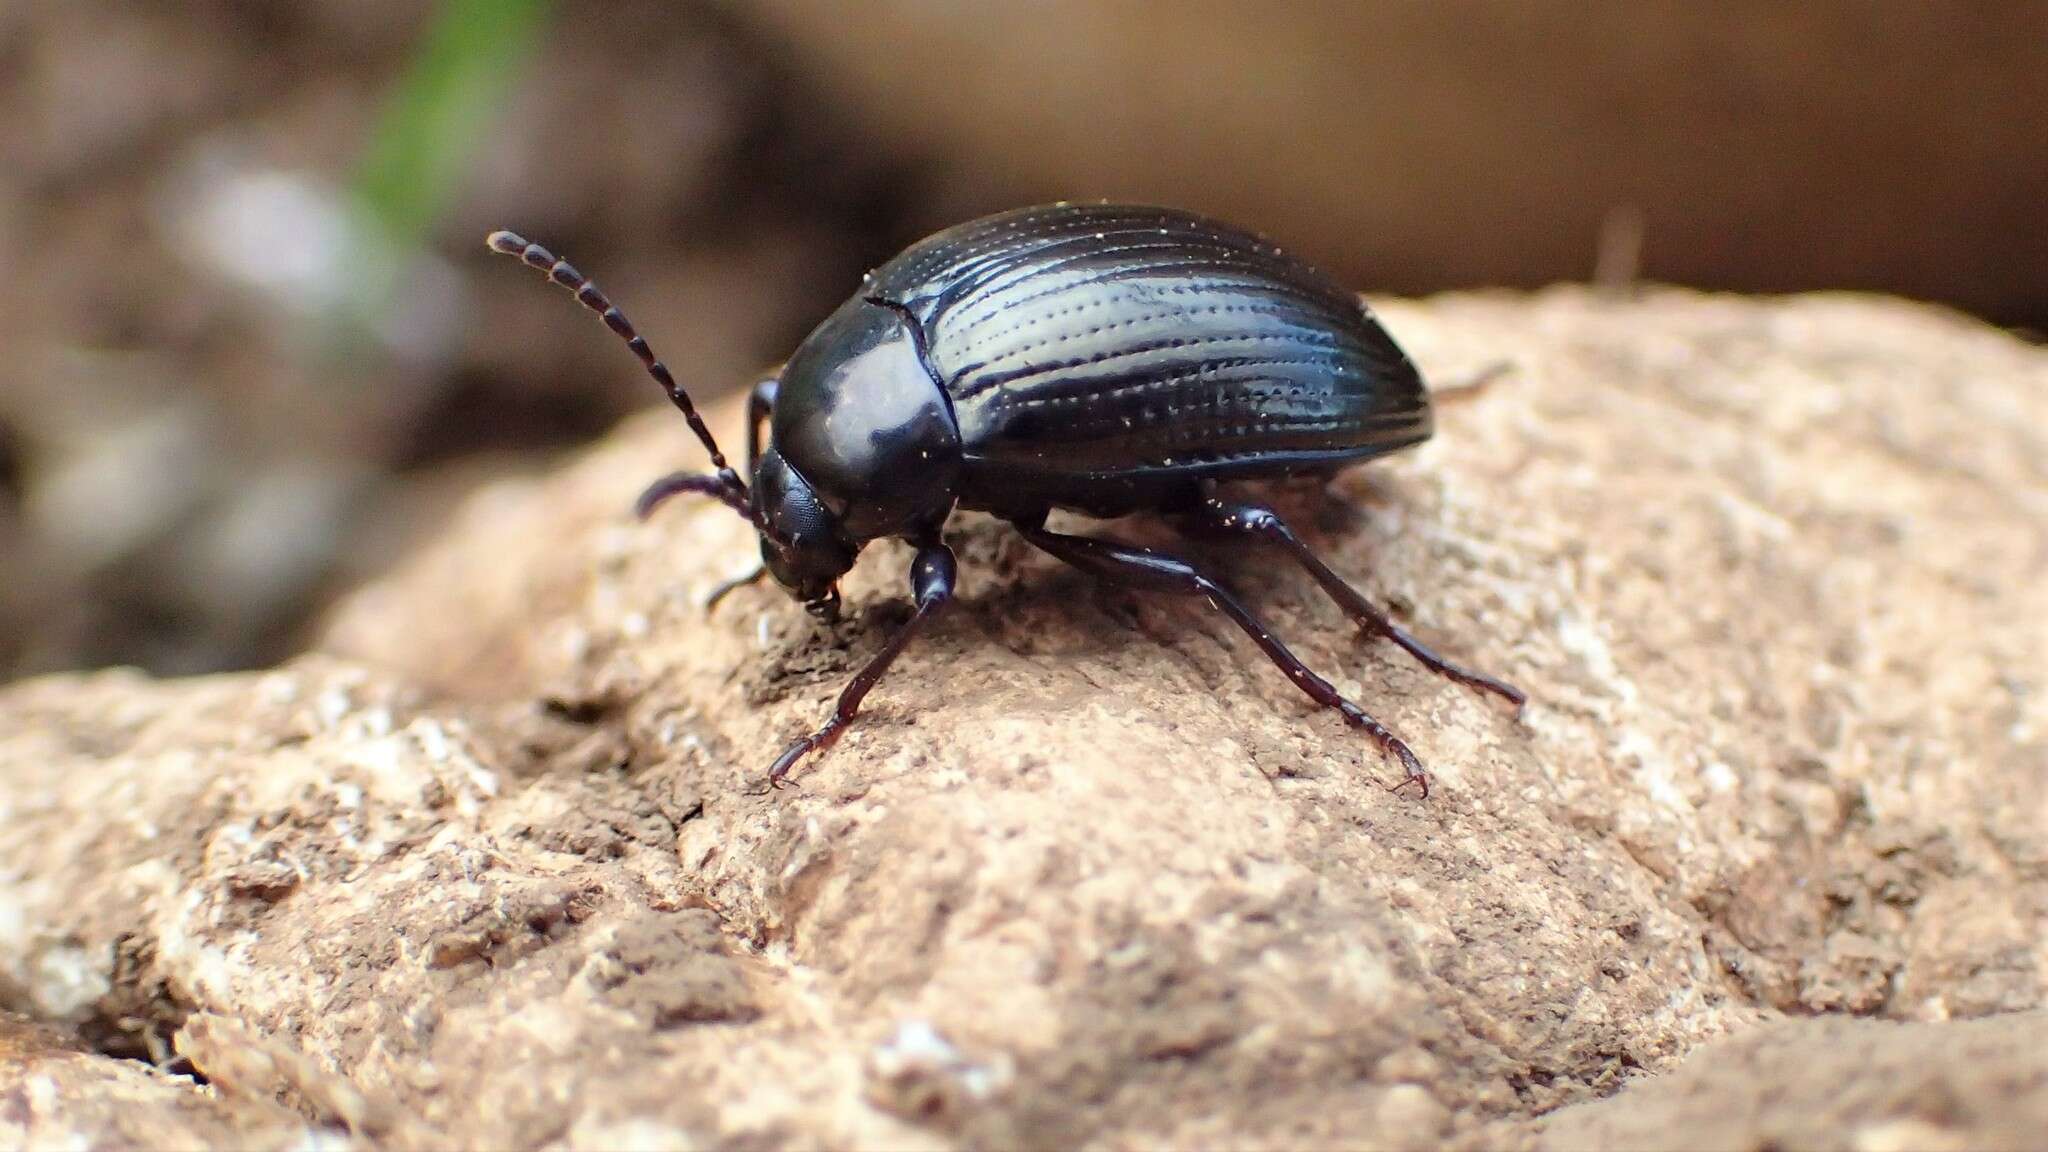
725	588
932	576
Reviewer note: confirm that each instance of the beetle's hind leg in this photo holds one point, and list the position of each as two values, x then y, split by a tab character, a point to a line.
1471	385
1145	568
1256	520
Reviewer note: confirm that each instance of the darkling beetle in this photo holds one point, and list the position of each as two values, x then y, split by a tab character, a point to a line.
1101	358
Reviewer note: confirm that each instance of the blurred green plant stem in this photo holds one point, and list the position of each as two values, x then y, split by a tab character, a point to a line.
470	56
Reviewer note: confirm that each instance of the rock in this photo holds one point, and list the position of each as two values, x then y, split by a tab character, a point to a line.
494	866
53	1095
1855	1085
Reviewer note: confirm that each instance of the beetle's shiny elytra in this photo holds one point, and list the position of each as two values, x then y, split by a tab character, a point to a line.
1102	358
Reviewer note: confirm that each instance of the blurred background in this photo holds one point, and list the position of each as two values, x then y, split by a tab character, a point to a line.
252	347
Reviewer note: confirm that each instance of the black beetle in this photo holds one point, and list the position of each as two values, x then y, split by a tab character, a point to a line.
1101	358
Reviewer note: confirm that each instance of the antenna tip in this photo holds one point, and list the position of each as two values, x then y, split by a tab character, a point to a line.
510	243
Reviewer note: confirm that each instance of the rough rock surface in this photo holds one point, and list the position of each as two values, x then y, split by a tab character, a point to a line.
1866	1085
494	868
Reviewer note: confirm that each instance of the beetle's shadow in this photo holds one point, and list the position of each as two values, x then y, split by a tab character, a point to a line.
1031	606
1023	622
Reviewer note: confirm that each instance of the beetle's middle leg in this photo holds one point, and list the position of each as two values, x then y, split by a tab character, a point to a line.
760	406
1145	568
1256	520
932	575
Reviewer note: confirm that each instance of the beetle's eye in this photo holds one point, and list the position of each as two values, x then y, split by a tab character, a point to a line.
775	557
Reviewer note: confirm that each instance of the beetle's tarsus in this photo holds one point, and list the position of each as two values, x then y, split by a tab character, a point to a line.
1392	745
778	773
1419	779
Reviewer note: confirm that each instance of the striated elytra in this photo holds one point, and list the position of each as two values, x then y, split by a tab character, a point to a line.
1103	358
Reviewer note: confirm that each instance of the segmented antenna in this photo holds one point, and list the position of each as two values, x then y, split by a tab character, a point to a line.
563	273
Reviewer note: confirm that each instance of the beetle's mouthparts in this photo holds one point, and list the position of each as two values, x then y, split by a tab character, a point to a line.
825	607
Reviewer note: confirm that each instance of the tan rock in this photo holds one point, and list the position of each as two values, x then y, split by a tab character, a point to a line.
495	868
1855	1085
53	1095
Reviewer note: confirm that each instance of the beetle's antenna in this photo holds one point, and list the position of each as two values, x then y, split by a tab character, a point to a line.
587	294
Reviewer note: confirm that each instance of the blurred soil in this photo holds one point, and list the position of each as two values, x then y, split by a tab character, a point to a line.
194	456
1764	866
1752	145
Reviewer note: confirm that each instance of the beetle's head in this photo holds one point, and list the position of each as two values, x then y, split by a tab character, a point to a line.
803	544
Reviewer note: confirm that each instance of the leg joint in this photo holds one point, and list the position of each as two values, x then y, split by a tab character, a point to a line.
1254	519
